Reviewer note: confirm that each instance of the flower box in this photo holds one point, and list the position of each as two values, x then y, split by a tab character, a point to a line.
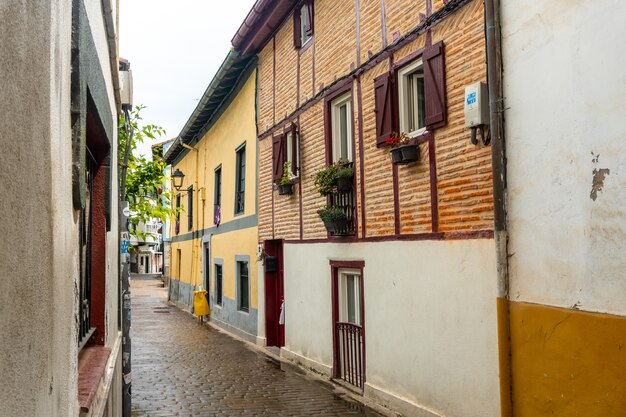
337	227
285	189
405	154
344	184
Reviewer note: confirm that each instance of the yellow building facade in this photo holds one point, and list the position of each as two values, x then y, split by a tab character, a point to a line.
215	234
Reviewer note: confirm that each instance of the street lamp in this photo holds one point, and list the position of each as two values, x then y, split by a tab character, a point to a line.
177	179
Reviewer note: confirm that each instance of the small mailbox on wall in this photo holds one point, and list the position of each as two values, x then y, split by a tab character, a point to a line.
271	264
476	110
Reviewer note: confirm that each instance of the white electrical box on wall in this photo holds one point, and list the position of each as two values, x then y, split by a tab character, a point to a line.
476	105
126	88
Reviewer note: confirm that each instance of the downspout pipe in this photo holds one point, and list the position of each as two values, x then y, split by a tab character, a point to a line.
498	161
111	32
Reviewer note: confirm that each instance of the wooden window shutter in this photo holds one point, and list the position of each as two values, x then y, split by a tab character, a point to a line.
297	35
308	25
295	164
383	106
278	156
435	86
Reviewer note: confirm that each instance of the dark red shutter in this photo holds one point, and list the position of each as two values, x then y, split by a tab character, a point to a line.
308	26
435	86
383	106
278	156
295	164
297	35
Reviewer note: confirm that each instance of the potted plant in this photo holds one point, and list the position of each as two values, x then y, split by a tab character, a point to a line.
345	174
325	180
403	150
285	184
334	218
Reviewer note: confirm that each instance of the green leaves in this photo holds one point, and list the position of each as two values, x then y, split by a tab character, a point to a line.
145	179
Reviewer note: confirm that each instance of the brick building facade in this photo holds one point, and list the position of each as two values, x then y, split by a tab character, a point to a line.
417	261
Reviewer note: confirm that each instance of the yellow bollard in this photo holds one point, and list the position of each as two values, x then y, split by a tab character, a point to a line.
200	305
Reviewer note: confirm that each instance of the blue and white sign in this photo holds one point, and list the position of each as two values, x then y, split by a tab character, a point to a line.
471	98
125	245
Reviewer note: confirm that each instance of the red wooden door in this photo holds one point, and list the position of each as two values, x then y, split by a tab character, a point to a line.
274	293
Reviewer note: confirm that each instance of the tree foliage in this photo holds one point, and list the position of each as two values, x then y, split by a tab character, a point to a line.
144	177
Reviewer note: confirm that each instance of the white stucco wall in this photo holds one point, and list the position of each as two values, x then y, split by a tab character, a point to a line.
430	318
565	89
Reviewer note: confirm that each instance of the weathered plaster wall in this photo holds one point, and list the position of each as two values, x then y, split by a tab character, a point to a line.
38	352
39	268
565	89
430	321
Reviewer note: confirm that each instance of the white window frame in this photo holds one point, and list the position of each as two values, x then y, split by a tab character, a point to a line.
303	36
342	295
290	145
403	93
335	106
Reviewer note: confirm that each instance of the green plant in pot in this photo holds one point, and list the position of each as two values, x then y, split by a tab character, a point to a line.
285	184
345	174
325	180
334	218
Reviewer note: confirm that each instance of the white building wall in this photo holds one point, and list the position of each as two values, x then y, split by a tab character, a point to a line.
430	320
565	91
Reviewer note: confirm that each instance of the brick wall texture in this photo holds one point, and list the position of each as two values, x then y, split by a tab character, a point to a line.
292	87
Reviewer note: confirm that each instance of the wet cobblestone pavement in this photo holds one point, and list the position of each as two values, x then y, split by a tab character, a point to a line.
182	368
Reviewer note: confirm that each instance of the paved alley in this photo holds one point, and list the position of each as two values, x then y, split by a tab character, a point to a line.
181	368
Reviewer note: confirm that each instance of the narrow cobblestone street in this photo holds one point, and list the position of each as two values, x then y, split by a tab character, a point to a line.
181	368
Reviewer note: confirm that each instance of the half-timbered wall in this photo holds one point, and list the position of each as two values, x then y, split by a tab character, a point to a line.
447	194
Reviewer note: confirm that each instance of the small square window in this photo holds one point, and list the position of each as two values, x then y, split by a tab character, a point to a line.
341	119
411	99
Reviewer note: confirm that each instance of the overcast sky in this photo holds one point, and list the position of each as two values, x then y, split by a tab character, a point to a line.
174	49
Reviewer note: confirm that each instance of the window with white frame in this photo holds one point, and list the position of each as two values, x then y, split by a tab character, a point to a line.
303	24
304	18
293	151
349	296
341	119
411	98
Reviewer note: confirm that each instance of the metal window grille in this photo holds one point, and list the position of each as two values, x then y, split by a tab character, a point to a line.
350	339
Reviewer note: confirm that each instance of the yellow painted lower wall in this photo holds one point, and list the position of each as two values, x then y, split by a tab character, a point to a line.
567	362
181	262
226	246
